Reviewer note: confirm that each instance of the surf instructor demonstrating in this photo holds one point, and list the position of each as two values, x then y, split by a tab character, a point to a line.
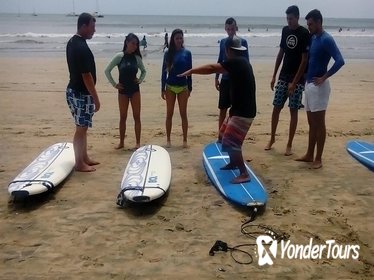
81	94
223	85
243	103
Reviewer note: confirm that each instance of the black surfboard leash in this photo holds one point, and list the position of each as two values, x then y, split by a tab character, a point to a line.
256	230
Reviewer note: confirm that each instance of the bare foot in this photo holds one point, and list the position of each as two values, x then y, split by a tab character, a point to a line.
316	165
305	159
168	144
84	168
91	162
288	151
268	146
119	146
241	179
137	146
185	145
228	166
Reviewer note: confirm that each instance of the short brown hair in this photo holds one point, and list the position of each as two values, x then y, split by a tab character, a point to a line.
84	18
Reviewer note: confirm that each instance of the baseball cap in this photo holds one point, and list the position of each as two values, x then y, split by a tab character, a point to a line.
235	43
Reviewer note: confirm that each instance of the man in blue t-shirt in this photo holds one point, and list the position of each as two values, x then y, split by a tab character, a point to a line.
317	88
293	51
223	85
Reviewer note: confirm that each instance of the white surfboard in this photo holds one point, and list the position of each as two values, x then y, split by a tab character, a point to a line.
48	170
147	175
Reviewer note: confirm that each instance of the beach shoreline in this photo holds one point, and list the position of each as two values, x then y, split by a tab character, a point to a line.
77	231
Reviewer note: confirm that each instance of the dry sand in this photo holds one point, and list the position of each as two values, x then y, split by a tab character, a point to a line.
78	232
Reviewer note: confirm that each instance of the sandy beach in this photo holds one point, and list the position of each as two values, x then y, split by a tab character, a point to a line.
78	232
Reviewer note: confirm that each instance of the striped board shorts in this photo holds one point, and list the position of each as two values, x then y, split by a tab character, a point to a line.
233	132
81	107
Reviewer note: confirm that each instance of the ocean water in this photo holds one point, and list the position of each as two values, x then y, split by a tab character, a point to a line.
46	35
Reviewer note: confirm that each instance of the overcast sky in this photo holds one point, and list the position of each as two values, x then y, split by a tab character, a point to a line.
329	8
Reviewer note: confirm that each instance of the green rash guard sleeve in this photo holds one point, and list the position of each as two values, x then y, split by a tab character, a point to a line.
141	67
113	63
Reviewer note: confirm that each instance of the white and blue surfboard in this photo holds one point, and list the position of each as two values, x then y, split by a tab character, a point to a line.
362	151
147	175
250	193
45	172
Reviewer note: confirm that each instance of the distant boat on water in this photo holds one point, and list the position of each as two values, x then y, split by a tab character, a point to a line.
33	10
72	14
97	13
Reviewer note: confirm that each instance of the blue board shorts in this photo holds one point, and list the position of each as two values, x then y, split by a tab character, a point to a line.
281	95
82	107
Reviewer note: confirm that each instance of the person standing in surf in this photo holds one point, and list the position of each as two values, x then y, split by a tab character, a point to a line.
223	85
143	43
243	103
176	60
166	42
293	51
128	62
317	88
81	95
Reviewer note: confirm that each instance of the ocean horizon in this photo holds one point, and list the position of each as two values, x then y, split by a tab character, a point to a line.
46	35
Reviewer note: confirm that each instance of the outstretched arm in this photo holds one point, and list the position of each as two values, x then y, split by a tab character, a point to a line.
204	70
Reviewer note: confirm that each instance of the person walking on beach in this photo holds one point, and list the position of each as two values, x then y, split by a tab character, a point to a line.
81	95
223	85
166	42
176	60
128	61
317	88
243	103
293	51
143	43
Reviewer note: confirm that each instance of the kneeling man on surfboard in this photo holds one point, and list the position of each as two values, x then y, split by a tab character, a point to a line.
243	103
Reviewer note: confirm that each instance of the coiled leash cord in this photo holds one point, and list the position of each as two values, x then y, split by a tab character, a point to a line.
253	234
222	246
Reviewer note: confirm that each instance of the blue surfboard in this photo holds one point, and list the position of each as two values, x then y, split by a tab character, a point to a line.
251	193
362	151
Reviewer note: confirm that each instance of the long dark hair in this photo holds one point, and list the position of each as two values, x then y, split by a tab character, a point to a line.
128	38
172	47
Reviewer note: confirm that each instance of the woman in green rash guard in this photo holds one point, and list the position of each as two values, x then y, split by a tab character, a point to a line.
128	62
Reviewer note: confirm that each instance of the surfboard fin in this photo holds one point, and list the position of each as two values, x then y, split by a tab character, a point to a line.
121	199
